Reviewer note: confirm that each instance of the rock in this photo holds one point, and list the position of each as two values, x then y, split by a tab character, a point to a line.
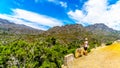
68	58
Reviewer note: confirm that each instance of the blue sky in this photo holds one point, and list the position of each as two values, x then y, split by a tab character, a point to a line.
45	14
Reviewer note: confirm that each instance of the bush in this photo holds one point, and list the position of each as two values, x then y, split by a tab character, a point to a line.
109	43
89	49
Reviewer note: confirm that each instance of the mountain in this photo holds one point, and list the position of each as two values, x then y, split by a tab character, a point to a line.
100	29
67	29
103	32
76	33
100	26
12	28
66	34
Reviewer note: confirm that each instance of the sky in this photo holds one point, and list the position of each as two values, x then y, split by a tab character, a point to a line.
45	14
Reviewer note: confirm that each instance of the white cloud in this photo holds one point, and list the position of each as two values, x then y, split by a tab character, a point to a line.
52	0
57	2
38	1
19	16
19	21
98	11
63	4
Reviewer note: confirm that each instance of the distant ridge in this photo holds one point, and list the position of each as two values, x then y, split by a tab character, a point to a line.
12	28
69	33
100	27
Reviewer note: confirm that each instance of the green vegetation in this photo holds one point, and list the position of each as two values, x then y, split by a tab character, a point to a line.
47	50
42	52
109	43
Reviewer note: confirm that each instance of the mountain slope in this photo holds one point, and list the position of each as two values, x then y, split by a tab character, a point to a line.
103	32
100	29
67	34
12	28
76	33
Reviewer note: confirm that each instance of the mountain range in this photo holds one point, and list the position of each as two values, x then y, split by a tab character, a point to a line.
65	34
99	33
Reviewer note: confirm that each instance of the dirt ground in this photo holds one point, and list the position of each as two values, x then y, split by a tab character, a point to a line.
101	57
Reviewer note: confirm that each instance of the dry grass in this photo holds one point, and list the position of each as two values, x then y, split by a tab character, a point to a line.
101	57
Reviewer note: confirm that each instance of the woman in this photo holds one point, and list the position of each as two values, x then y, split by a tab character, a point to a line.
86	44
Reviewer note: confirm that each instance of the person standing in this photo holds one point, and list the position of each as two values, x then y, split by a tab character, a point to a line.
86	44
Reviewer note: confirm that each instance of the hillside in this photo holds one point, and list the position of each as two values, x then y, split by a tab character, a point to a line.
101	57
101	29
100	26
97	33
22	46
12	28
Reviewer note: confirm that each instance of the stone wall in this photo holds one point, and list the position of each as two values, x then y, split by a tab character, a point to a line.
68	61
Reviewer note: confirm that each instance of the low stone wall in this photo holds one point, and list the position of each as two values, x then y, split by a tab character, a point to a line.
68	61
